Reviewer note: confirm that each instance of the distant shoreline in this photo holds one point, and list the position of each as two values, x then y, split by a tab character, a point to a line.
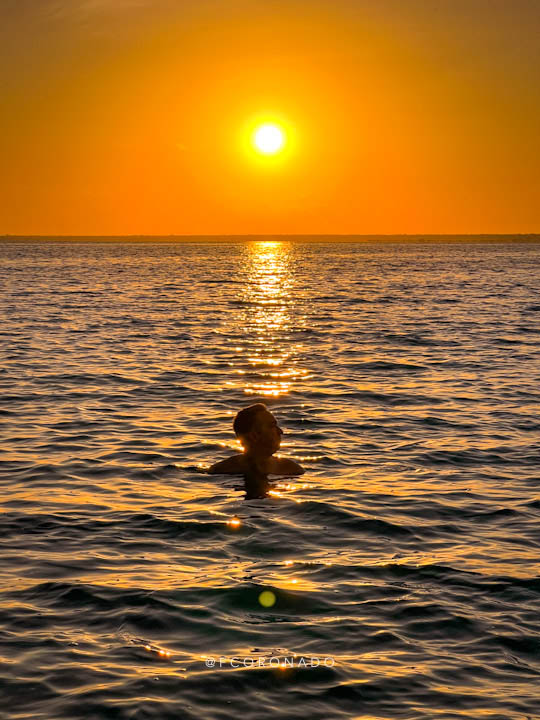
338	238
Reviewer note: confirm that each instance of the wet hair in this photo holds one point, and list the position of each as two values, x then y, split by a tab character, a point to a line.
245	419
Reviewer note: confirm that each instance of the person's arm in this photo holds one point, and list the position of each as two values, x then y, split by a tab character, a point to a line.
229	466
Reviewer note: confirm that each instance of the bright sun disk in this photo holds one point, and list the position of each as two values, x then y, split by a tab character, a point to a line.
268	139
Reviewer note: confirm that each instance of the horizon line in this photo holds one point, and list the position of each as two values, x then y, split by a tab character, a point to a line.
274	235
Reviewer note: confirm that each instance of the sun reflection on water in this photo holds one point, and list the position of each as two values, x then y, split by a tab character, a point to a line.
270	352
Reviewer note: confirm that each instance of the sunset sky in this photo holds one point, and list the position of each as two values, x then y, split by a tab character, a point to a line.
400	116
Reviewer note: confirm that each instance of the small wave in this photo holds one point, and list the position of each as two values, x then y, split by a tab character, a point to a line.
394	399
410	339
338	519
382	366
122	526
476	456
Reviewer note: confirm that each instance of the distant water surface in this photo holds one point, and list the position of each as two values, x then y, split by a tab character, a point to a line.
406	376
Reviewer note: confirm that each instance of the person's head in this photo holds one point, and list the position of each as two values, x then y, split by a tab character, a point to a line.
257	430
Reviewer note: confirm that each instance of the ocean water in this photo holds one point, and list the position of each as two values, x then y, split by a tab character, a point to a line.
404	565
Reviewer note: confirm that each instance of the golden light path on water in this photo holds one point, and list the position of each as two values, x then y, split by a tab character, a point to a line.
266	320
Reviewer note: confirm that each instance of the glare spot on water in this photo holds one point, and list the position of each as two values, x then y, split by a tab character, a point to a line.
267	598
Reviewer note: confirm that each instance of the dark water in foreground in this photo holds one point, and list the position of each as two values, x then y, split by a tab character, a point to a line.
406	560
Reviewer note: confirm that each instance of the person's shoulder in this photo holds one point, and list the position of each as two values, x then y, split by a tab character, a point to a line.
232	465
286	466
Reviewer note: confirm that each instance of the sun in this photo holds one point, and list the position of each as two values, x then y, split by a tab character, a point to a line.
268	139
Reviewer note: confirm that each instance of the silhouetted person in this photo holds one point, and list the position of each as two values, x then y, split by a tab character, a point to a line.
260	435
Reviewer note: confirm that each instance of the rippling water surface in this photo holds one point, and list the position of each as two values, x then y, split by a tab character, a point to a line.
405	561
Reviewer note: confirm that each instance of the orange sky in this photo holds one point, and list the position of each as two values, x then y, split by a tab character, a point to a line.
408	116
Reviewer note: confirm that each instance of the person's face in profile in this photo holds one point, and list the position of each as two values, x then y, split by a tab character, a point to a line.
265	436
